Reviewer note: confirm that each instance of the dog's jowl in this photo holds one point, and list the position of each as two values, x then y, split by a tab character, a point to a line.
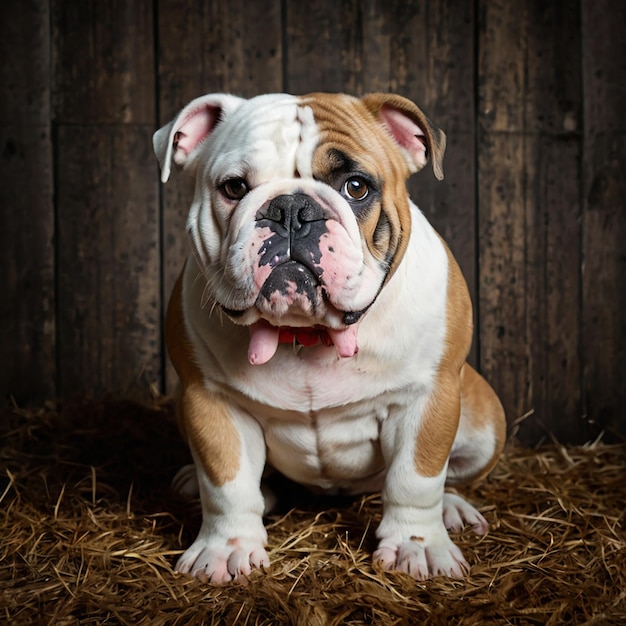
321	326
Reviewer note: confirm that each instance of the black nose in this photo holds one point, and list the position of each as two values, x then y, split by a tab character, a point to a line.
294	213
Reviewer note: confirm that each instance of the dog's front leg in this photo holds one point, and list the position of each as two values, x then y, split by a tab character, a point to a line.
228	449
416	443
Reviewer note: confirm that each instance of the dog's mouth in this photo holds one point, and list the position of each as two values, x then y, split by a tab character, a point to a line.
265	338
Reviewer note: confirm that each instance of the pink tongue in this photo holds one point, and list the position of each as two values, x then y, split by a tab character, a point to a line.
264	340
345	340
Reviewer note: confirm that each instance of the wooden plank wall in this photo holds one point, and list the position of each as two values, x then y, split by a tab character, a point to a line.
531	95
108	228
27	217
529	150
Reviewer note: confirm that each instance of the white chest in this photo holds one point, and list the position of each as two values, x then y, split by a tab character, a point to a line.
321	416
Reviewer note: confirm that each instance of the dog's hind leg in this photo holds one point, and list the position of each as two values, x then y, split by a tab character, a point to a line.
482	430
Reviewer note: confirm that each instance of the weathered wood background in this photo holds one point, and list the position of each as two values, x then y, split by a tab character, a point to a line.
532	97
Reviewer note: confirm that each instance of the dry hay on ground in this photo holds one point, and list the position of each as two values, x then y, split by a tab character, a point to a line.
89	533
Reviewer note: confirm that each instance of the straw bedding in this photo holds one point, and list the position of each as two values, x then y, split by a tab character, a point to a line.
89	533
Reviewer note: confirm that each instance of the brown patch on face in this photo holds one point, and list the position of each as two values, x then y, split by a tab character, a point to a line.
347	128
441	418
203	416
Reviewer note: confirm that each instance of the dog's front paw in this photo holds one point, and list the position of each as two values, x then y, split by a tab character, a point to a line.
457	512
422	557
219	562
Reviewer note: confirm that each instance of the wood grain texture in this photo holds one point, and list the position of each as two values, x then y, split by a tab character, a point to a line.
552	300
553	122
216	46
27	315
103	62
604	214
205	47
504	358
529	190
25	67
326	45
109	297
108	261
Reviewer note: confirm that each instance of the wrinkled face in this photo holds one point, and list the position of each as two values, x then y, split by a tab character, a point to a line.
300	213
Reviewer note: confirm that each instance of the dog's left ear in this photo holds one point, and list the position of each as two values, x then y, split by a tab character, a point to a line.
178	141
417	137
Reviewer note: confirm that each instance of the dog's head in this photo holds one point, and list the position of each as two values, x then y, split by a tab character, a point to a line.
300	214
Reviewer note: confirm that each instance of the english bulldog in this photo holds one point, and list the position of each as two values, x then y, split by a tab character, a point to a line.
320	326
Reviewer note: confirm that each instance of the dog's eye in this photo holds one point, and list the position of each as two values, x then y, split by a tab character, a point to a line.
234	188
355	188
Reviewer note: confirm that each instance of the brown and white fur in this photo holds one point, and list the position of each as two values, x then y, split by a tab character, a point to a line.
321	326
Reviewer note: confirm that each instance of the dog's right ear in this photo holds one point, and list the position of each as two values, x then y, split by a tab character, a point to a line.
416	136
179	140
